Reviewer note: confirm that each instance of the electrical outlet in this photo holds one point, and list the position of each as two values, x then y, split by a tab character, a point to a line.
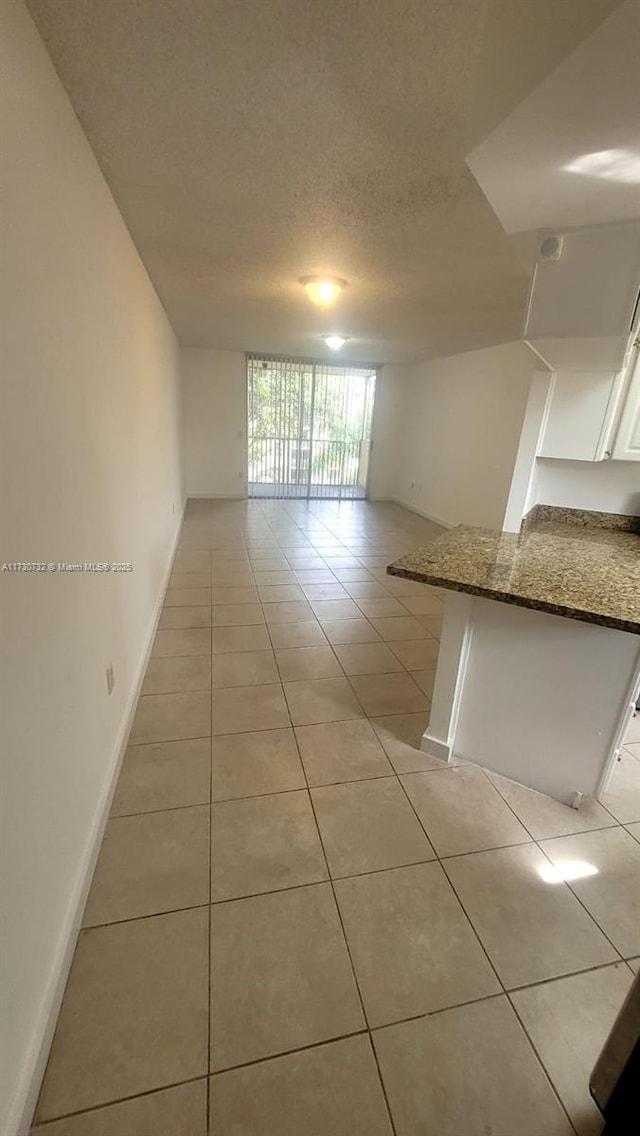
111	678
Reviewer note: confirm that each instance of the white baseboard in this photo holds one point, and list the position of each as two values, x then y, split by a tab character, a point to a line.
217	496
435	747
421	513
26	1096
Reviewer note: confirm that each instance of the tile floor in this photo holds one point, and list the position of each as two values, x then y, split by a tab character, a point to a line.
299	923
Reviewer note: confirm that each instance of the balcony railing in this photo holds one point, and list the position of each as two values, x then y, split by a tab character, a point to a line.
303	468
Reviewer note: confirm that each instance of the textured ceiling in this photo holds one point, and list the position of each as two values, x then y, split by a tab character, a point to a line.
249	142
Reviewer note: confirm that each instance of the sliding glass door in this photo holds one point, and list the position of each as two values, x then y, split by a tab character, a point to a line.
309	428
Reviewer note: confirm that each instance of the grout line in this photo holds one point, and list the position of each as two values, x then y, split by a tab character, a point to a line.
344	936
43	1125
542	1065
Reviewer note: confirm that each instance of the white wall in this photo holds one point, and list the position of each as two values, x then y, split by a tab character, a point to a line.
606	486
214	422
387	417
459	432
90	473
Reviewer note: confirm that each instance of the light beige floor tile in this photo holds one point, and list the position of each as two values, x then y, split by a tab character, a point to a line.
187	641
184	617
177	673
226	594
612	893
326	591
236	615
338	562
532	930
298	663
187	597
264	844
634	749
326	610
350	631
417	654
246	708
433	624
330	1090
134	1015
243	668
425	680
634	964
272	579
306	634
353	576
367	658
568	1021
192	560
380	607
483	1076
341	751
366	590
321	700
149	863
389	694
634	829
622	798
375	562
254	637
170	717
306	576
544	817
280	976
279	593
423	605
401	926
232	577
190	579
395	627
400	587
461	811
633	730
267	560
248	765
368	825
307	564
179	1111
166	775
293	611
400	735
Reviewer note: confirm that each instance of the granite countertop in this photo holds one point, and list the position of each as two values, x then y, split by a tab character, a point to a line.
586	573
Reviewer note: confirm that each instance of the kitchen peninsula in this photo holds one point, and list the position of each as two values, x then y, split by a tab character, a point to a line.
539	664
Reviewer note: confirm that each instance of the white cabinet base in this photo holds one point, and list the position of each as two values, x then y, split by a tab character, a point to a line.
541	699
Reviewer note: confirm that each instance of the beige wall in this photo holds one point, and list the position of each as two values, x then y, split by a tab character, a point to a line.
214	422
607	486
459	431
90	470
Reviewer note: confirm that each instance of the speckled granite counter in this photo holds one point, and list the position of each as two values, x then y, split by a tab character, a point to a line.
584	573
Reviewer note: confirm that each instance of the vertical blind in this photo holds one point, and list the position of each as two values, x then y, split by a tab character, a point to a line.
309	427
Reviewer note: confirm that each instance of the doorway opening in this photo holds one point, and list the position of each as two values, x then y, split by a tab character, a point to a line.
309	428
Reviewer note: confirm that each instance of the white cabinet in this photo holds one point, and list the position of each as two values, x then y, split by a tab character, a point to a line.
595	415
626	435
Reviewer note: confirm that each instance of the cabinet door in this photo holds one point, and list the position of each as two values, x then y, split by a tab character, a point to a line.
626	446
581	407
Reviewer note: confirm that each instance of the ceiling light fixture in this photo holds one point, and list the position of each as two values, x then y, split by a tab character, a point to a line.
335	342
322	290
